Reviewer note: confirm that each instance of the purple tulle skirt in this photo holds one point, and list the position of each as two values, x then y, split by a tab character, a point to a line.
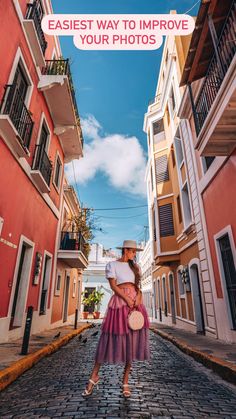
118	343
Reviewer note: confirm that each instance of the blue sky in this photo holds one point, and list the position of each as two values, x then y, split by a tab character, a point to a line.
113	89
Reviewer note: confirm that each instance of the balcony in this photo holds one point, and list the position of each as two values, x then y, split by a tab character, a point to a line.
215	108
167	260
154	103
72	250
41	169
16	123
35	34
57	87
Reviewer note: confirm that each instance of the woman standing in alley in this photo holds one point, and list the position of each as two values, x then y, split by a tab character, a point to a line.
119	342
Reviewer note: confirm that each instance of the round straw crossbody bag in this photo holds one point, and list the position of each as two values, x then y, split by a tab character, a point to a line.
135	320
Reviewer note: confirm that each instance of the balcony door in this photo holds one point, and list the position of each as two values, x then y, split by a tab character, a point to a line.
42	144
16	97
39	8
20	83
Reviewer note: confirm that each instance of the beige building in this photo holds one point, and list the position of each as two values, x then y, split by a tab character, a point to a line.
179	297
208	131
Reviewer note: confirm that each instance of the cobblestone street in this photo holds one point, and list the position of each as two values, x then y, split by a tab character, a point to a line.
172	385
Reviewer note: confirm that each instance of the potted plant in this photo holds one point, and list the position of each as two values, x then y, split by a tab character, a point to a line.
96	298
88	303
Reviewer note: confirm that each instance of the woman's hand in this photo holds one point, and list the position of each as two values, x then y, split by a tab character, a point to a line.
130	302
138	299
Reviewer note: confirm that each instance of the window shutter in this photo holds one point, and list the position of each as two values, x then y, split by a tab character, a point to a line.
162	173
166	220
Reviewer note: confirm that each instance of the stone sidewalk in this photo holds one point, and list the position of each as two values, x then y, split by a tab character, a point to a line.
13	364
214	354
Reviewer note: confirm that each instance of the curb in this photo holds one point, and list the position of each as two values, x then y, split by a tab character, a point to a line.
10	374
223	368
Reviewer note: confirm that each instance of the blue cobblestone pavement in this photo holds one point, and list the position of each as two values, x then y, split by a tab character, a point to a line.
171	385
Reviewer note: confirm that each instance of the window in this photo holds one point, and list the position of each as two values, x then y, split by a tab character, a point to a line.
166	220
57	172
151	178
207	162
180	283
168	115
172	99
58	284
179	209
186	205
173	156
162	173
158	127
178	150
154	225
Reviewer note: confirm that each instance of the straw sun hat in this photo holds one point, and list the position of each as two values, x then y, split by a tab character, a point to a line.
130	244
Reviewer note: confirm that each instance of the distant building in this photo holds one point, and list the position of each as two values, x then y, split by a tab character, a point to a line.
145	261
93	277
71	260
180	297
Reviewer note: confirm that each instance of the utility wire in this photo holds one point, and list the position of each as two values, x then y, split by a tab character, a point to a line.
130	216
121	208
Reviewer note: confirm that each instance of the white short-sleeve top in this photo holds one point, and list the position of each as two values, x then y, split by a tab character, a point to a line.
120	271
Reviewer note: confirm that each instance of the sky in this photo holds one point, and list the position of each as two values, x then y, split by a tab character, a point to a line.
113	89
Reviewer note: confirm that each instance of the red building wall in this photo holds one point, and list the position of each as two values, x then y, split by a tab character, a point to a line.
219	202
22	207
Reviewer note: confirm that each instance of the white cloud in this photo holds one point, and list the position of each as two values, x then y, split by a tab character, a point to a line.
120	158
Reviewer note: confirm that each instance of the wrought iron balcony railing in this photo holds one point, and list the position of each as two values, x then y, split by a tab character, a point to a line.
61	68
72	241
217	69
42	163
13	105
33	14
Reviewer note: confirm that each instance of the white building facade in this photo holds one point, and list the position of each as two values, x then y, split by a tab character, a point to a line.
94	276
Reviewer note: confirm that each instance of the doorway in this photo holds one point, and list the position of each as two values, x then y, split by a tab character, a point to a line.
197	299
66	297
21	287
229	275
172	298
45	284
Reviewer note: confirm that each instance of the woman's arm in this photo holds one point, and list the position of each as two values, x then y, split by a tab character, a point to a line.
118	291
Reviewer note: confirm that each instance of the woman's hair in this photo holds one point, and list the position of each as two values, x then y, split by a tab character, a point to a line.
134	267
